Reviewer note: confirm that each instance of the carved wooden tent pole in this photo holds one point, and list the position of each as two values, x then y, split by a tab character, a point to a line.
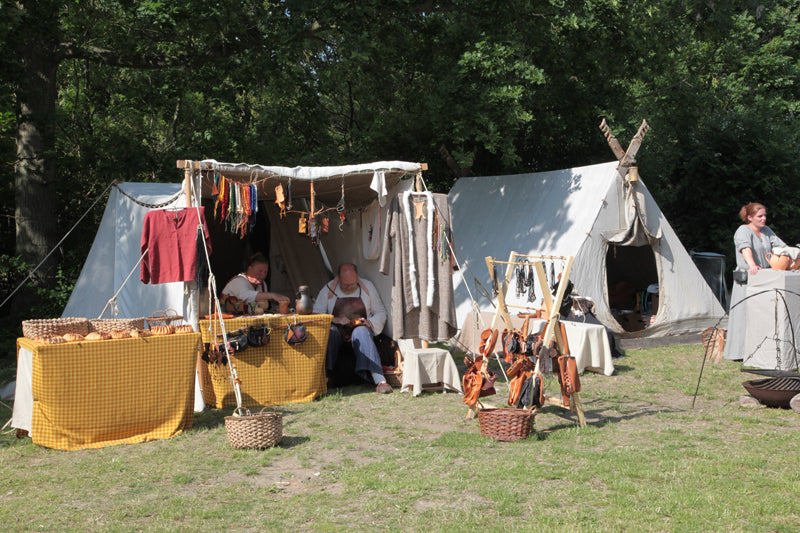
626	158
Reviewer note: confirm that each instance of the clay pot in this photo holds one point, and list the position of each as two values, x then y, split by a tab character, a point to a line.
779	262
302	304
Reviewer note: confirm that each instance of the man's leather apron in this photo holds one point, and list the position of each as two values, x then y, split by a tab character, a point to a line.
351	307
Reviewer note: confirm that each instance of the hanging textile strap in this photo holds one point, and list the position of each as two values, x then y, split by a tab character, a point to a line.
212	290
56	247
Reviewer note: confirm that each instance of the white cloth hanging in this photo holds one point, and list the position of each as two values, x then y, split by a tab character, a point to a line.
379	186
371	231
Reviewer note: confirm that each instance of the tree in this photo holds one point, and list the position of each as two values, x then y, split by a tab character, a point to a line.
40	36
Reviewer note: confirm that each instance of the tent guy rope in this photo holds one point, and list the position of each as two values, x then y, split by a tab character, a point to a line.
59	243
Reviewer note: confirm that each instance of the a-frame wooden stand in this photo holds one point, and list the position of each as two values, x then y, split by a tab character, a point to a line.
551	306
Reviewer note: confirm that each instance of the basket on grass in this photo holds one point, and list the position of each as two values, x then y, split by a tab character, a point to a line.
261	430
107	325
164	318
394	374
506	424
51	327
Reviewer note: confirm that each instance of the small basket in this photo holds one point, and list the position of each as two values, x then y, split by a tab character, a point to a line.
394	375
107	325
261	430
506	424
164	318
394	378
51	327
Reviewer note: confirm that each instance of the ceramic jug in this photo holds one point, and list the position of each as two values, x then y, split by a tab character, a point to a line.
302	304
779	262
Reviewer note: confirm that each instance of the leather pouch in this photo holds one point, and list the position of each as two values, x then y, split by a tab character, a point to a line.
296	334
258	335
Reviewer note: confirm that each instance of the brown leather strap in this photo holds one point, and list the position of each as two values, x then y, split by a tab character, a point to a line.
564	337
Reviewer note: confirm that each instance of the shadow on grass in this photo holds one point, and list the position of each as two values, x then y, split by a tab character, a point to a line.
290	441
622	369
598	418
351	390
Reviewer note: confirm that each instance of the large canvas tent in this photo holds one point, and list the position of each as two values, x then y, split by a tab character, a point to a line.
294	259
610	224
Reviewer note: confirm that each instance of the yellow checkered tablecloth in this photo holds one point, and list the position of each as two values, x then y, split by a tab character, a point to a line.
123	391
275	374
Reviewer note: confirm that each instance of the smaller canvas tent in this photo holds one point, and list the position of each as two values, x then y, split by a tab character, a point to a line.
612	226
294	259
114	257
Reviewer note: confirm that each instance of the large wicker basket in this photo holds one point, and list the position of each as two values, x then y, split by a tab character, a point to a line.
49	327
164	318
107	325
506	424
261	430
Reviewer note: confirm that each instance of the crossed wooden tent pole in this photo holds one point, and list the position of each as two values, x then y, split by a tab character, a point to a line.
626	158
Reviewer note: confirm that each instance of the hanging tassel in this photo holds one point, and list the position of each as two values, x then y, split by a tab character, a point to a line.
253	206
340	210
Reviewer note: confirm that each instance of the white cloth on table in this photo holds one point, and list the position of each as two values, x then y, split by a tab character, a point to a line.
423	366
772	320
22	415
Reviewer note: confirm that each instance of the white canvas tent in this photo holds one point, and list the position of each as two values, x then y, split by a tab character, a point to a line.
294	259
115	254
591	213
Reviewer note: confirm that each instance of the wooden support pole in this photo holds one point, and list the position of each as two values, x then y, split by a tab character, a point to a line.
187	186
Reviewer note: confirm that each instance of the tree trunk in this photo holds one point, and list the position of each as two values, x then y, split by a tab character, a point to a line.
35	181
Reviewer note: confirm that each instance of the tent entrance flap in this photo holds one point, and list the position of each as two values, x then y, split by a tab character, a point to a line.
632	281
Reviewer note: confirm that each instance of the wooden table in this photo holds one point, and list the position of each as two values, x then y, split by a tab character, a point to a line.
93	394
274	374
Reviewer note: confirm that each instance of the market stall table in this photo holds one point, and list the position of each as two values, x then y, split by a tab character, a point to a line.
771	321
274	374
91	394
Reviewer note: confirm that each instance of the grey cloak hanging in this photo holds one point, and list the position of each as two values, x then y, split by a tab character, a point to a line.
418	311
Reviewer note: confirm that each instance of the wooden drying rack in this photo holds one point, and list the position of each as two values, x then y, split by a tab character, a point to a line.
550	312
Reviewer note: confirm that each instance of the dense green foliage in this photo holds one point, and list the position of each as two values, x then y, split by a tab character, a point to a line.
506	88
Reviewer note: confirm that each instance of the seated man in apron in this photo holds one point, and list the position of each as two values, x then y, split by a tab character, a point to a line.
358	314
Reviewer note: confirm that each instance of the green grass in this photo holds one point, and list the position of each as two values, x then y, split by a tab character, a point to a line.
354	460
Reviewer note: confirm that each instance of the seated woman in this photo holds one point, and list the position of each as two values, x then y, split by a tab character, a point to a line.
753	241
247	291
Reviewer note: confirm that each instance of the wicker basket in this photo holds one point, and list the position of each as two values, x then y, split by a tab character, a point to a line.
107	325
51	327
506	424
394	375
261	430
164	318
